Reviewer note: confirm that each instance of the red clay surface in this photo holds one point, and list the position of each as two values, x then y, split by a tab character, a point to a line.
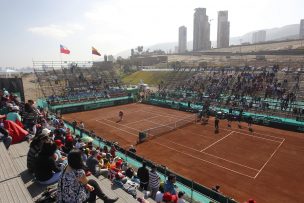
266	165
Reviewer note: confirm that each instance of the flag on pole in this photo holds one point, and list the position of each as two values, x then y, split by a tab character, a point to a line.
94	51
64	50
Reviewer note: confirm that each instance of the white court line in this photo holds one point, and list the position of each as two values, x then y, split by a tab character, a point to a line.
116	115
269	159
203	160
122	125
145	119
161	124
197	134
228	129
165	115
254	136
213	155
117	128
216	141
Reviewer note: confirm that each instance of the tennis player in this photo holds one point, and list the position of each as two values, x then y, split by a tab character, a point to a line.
216	124
120	116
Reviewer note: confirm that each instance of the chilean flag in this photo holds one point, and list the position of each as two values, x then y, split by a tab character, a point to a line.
64	50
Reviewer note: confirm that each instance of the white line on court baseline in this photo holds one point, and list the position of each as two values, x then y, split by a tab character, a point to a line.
213	155
116	128
269	159
202	159
216	141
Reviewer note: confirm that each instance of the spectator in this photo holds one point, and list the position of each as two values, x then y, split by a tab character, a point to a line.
159	195
79	144
59	154
113	151
105	149
167	197
74	125
154	181
130	172
132	149
92	163
46	170
13	115
30	118
68	145
35	148
81	128
250	201
143	175
169	185
4	135
216	188
74	185
181	197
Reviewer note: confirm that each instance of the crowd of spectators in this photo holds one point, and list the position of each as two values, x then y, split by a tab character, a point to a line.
241	88
70	95
57	155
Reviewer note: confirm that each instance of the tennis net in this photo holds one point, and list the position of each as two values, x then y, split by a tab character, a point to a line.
159	130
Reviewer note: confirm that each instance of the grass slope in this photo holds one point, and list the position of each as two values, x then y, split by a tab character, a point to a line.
151	78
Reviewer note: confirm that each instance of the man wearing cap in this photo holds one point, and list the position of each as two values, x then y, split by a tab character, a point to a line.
169	198
250	201
59	158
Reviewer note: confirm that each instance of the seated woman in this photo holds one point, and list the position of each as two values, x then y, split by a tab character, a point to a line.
74	187
46	170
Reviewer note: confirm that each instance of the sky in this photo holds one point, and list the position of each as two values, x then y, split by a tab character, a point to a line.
34	29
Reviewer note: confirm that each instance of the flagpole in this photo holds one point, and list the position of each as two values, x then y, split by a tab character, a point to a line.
60	55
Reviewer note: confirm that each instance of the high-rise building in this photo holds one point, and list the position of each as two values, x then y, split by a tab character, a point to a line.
223	29
259	36
201	30
302	29
182	39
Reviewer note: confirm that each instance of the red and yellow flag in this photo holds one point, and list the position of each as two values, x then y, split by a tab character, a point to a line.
94	51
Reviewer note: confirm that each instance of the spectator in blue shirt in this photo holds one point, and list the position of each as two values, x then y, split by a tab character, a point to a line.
13	115
169	185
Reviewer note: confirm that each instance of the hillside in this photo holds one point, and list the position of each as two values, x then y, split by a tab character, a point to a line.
149	77
280	33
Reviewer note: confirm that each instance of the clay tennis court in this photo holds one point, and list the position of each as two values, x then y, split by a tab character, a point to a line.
266	165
